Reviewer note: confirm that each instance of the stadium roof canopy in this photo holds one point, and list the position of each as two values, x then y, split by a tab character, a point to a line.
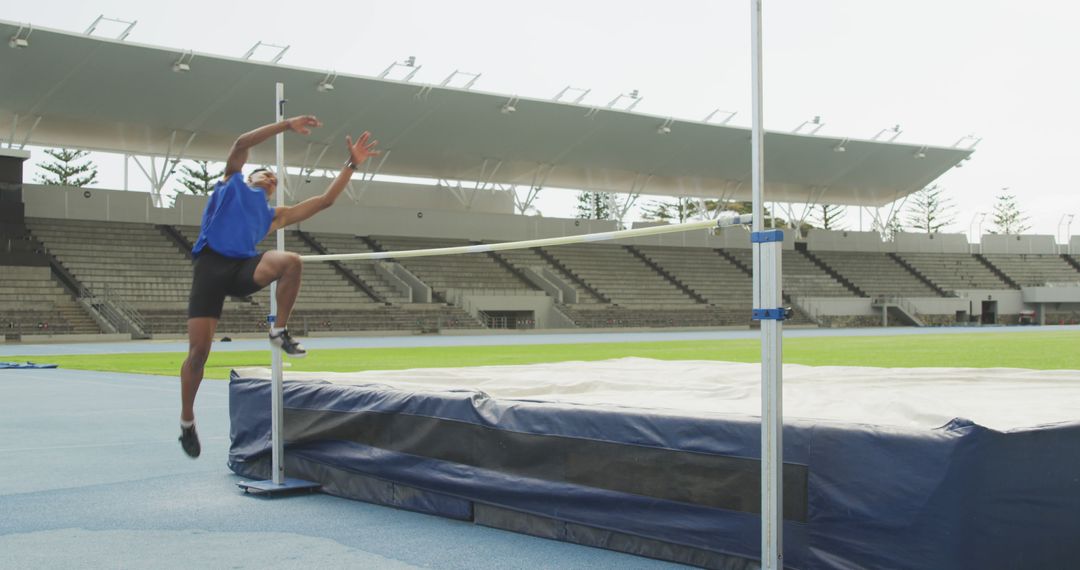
71	90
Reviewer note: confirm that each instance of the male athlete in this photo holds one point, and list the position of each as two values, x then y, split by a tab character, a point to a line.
237	217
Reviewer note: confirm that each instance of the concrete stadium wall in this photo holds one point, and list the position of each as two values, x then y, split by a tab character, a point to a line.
1057	295
1010	301
730	237
413	196
424	211
348	218
864	306
826	240
940	306
96	204
929	243
344	217
970	301
838	306
1018	244
544	311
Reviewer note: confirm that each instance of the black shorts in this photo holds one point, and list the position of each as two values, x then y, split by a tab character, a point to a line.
216	276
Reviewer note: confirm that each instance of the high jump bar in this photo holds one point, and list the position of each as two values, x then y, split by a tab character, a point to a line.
720	222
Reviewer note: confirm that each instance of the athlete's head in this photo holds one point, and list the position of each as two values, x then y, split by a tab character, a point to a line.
265	179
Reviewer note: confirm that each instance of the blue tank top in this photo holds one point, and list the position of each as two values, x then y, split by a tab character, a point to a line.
235	220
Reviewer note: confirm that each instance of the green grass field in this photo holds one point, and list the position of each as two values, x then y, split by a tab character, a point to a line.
1038	350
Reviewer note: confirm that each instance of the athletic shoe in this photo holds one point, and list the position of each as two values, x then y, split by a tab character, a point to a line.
189	440
287	345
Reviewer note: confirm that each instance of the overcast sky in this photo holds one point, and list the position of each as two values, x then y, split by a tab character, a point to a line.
943	69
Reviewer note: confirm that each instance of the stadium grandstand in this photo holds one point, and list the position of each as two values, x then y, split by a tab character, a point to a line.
110	261
671	469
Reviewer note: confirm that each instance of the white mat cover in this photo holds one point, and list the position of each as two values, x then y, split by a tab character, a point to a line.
923	398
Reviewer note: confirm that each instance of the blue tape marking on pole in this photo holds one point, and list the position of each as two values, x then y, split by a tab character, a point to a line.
767	236
769	314
271	319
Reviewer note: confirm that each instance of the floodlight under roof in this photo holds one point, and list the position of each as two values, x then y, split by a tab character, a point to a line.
21	40
183	64
327	83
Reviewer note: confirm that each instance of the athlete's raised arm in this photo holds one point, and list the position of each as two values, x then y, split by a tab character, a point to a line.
238	154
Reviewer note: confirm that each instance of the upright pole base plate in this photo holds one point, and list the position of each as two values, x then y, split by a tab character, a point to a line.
268	488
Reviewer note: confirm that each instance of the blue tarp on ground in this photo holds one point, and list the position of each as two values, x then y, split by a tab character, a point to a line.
856	496
29	365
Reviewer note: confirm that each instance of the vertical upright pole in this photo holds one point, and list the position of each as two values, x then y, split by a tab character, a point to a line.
767	249
276	412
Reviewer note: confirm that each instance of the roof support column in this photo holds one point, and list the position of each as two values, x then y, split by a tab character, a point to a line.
305	170
540	176
168	167
366	178
15	129
637	186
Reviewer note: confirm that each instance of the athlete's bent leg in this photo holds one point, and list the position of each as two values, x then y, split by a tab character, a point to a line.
284	267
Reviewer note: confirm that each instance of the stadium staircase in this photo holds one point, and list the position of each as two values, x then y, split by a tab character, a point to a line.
1071	261
1033	270
32	302
177	238
876	274
832	272
343	271
897	308
997	271
373	273
665	274
590	296
951	272
918	275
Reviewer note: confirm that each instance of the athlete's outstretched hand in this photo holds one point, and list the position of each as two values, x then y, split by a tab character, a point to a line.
361	150
303	124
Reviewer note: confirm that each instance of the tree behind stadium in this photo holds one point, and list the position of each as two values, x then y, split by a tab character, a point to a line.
1008	218
65	170
930	210
200	180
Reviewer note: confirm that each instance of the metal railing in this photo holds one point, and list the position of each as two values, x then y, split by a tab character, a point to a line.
130	313
118	313
505	322
493	322
902	304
